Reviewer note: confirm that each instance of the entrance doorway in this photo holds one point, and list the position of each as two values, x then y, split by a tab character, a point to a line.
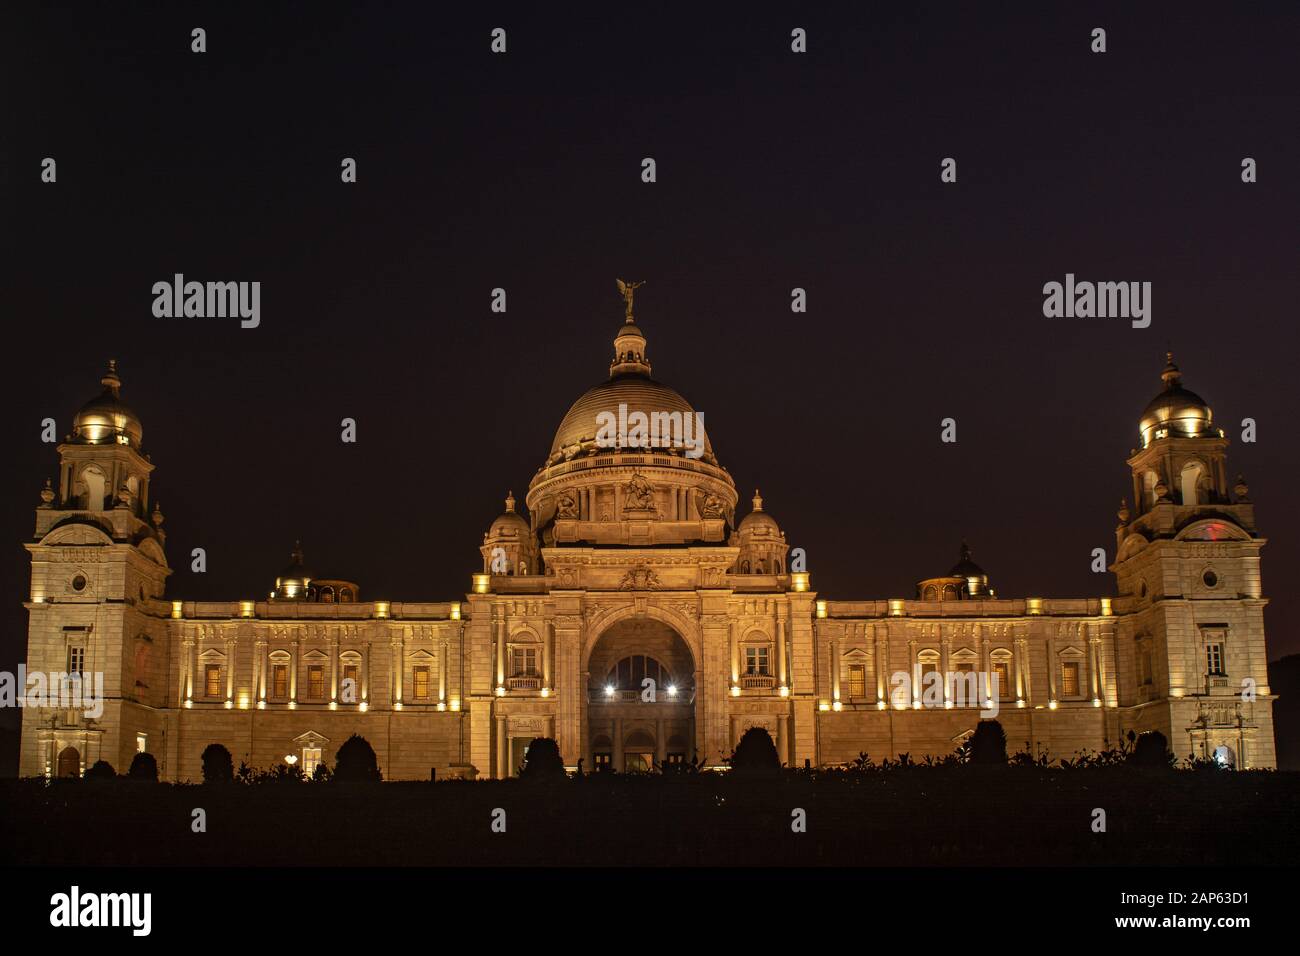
69	763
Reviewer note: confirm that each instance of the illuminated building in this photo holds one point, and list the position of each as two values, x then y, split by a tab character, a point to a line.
634	617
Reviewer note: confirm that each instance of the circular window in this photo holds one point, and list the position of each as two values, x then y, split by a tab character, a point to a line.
1211	579
79	583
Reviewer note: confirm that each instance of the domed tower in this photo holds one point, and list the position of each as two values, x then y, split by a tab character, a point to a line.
964	581
509	546
1182	454
103	463
1187	569
631	463
98	574
761	542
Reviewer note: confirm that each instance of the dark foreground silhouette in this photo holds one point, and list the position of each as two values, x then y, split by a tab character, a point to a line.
906	815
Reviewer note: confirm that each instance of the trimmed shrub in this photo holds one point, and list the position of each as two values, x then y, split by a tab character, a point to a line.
543	761
143	767
218	767
1151	750
988	745
756	753
101	770
355	761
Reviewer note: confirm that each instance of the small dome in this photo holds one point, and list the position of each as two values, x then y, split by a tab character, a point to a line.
1176	412
510	523
757	520
294	579
105	419
966	568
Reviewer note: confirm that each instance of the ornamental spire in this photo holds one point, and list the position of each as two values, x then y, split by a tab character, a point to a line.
629	343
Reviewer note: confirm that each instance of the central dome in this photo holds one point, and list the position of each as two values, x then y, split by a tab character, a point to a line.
631	463
639	393
630	389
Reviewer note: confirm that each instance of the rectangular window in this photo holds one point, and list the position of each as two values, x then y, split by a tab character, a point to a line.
280	681
523	662
1002	671
1144	666
316	682
857	680
1070	679
76	661
1214	659
422	683
756	661
351	689
141	743
310	760
212	680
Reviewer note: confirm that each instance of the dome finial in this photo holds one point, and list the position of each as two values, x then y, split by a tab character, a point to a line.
965	550
510	501
629	343
627	290
758	501
110	381
1171	376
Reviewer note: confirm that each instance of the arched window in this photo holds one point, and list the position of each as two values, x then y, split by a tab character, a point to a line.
1190	480
931	593
1149	481
95	483
628	673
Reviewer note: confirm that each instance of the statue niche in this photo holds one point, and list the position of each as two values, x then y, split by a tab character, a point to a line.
640	495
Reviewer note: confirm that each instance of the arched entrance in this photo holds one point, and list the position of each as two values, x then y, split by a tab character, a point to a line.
1224	756
69	763
640	697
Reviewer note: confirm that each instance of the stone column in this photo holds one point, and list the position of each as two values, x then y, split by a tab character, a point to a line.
293	669
548	634
616	751
660	743
397	665
187	670
260	662
230	667
945	651
983	635
835	670
914	668
1094	662
735	653
502	768
500	625
1051	667
365	672
1022	663
334	665
880	645
780	651
443	650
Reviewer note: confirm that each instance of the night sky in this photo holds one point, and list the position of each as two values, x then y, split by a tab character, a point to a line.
775	170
